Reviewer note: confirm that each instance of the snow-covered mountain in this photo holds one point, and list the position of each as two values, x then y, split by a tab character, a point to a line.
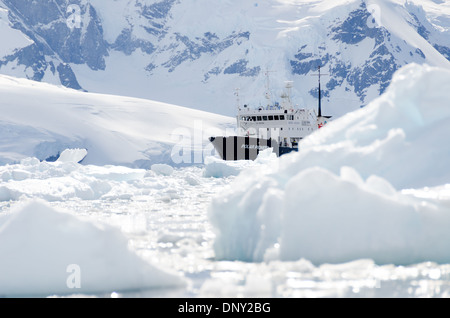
196	53
42	120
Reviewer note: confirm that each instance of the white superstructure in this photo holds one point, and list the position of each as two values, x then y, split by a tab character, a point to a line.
279	125
280	121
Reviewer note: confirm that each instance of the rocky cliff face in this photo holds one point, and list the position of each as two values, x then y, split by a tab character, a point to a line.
63	33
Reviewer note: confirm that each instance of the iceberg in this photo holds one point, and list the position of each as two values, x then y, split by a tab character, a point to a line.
347	194
44	251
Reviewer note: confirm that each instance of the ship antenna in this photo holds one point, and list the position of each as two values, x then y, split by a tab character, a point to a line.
268	94
238	102
320	93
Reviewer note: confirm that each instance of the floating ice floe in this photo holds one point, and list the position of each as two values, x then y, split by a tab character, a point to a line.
63	179
162	169
72	155
343	195
44	251
218	168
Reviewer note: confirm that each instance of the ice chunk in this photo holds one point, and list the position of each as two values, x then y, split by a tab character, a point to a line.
44	251
162	169
72	155
192	179
218	168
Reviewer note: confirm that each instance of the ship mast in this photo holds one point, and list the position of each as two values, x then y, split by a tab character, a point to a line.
238	101
320	93
320	97
268	92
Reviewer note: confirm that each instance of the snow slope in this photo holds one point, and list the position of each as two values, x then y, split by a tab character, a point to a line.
345	194
41	120
12	39
392	19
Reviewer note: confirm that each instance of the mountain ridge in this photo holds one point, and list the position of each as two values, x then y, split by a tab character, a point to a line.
197	53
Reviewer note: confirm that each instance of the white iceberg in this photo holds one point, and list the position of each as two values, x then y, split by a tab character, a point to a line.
44	251
342	196
72	155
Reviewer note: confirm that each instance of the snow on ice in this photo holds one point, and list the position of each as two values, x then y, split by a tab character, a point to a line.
344	195
43	250
162	169
72	155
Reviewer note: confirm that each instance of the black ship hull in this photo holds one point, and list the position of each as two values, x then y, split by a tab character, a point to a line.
245	148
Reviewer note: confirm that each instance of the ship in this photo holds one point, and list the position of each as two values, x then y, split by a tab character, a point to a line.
278	125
